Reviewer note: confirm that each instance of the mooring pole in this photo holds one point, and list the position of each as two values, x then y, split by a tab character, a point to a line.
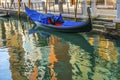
76	10
29	2
18	7
46	6
84	7
5	3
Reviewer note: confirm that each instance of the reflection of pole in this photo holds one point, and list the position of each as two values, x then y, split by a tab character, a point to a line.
76	10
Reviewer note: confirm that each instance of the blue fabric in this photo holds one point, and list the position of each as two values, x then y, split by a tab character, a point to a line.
44	20
49	15
68	23
34	15
59	18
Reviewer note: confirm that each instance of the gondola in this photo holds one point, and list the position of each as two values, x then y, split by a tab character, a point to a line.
58	24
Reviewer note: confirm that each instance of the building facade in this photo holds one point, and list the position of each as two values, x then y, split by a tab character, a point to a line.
99	3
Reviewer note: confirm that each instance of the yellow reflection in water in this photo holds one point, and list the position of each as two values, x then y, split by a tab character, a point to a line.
91	41
106	49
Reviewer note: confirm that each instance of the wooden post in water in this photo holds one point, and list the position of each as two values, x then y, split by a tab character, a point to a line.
76	10
60	5
5	3
18	7
46	6
29	2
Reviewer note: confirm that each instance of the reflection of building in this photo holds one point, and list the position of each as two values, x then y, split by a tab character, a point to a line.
15	50
2	33
106	49
60	67
36	54
81	63
32	54
105	63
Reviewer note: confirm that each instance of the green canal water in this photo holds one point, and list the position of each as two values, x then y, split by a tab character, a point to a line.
37	54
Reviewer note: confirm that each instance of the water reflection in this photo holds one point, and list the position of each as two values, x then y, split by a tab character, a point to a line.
48	55
73	50
5	73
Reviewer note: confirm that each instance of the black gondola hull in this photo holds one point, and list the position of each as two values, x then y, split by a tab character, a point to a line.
87	27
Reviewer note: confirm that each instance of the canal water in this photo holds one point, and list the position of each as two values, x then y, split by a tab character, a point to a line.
28	52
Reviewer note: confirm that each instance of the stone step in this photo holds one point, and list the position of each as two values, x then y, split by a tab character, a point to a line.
98	30
101	22
118	27
105	18
110	17
118	30
97	22
110	25
98	26
104	24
